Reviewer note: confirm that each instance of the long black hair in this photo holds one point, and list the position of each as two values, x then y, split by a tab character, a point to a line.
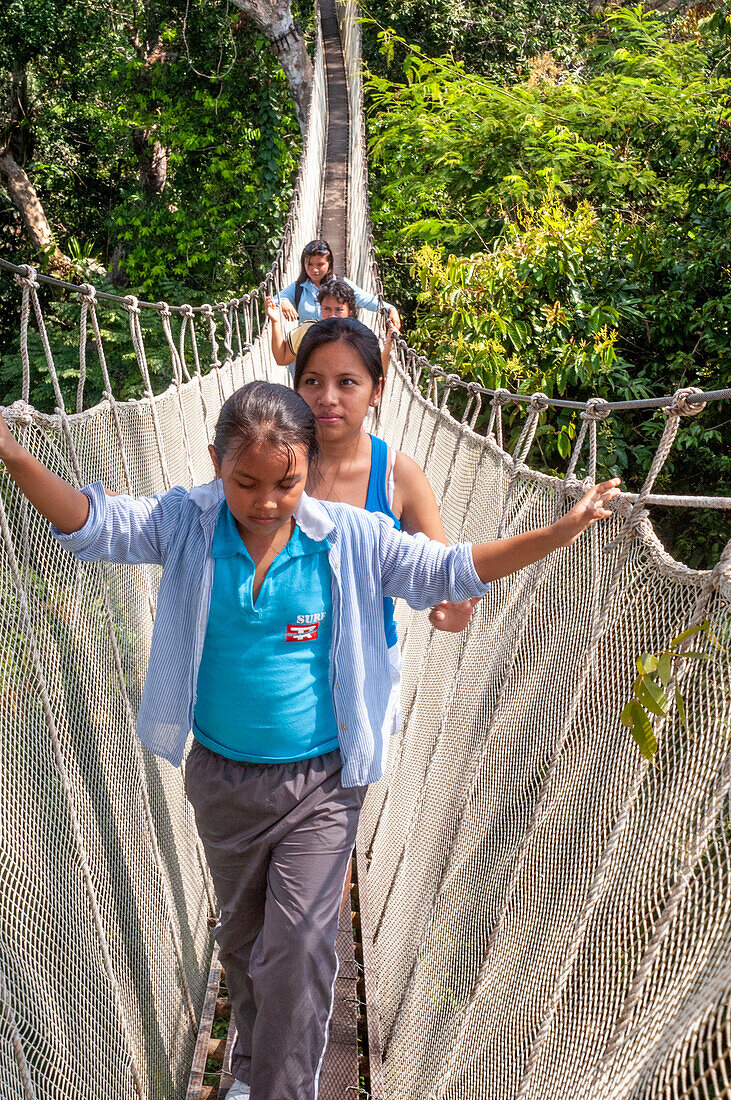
264	412
316	248
348	331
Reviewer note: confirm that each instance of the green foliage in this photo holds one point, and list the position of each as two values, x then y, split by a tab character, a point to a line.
493	38
199	81
649	691
570	232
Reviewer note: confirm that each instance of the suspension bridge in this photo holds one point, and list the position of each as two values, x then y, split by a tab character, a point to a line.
541	913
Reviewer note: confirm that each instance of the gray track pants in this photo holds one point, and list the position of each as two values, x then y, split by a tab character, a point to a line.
278	839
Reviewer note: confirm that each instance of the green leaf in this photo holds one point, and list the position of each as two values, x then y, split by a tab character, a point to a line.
641	730
646	663
680	705
665	667
689	633
651	695
563	444
627	715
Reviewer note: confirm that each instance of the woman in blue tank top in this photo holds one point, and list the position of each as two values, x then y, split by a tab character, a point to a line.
340	375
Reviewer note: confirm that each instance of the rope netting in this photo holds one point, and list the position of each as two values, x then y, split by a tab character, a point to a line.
552	911
104	901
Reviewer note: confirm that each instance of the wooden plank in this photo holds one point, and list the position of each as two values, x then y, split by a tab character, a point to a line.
373	1020
339	1075
333	210
226	1077
197	1070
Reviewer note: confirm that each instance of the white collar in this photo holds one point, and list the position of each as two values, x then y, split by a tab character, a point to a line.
313	518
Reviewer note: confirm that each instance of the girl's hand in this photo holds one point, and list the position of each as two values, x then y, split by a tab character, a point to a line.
592	506
452	617
272	308
288	310
395	319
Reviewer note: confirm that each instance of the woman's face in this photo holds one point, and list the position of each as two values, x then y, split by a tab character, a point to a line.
338	389
317	266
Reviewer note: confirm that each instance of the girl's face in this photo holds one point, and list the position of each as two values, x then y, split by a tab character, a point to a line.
317	267
338	389
262	486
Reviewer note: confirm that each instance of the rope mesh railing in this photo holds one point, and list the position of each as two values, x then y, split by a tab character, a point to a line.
104	897
551	911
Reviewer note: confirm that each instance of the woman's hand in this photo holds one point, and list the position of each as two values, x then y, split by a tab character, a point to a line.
592	507
272	308
288	309
393	314
452	617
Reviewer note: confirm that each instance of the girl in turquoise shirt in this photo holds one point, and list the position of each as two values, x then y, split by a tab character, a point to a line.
278	835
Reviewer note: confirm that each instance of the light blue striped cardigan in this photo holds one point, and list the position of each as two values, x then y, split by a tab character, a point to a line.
368	559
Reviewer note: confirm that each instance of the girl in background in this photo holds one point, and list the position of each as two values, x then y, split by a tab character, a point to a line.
339	373
298	301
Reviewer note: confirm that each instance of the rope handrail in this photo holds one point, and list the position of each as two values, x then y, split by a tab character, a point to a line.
507	396
24	271
453	381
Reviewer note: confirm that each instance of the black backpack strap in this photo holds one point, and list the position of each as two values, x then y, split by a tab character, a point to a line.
299	287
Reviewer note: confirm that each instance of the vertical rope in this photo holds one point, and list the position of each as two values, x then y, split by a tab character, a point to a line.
133	309
25	282
207	312
538	403
16	1042
176	363
188	322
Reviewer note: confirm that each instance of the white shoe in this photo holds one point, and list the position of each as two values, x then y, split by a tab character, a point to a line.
238	1091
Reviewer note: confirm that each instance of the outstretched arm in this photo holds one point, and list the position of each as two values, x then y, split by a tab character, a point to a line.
423	572
280	351
61	503
497	559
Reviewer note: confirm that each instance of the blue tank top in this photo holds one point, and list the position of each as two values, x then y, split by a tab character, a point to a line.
377	501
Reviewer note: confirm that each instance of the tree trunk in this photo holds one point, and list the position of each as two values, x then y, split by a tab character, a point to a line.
19	137
274	19
152	161
24	197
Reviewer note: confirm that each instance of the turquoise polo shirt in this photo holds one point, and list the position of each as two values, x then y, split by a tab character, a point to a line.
263	692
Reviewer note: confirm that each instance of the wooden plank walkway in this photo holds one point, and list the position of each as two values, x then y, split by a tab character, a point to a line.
333	212
339	1075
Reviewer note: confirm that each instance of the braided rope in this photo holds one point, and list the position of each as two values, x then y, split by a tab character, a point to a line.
29	1092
